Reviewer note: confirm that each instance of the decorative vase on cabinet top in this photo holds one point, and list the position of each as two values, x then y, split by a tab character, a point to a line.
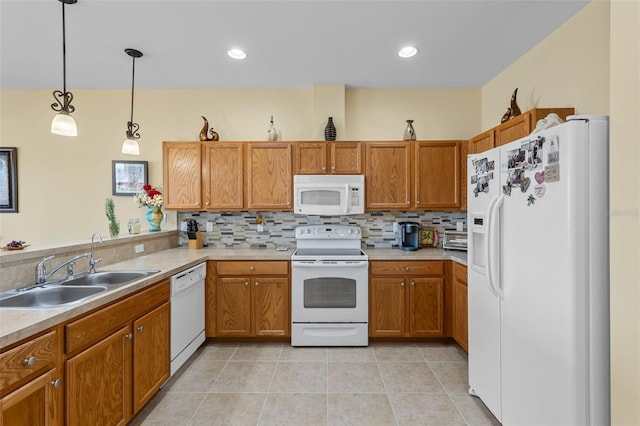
409	132
330	131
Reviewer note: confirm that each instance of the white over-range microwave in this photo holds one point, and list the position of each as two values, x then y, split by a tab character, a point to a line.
328	195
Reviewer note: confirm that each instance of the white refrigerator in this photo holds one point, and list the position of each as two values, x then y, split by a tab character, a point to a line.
538	257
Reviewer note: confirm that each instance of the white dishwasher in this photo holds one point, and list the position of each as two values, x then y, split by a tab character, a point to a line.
187	314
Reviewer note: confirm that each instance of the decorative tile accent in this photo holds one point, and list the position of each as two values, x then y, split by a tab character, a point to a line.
238	229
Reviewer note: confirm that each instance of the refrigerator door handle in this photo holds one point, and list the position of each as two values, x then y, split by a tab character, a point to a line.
487	247
493	249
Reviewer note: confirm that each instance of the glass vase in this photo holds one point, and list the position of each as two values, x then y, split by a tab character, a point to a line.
114	228
154	218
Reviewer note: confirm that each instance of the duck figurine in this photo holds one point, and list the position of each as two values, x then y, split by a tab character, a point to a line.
212	134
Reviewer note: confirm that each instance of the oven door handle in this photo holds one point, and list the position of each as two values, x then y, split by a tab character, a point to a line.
329	264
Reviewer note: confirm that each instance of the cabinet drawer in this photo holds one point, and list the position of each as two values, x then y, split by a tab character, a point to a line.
28	359
276	267
460	272
98	325
413	267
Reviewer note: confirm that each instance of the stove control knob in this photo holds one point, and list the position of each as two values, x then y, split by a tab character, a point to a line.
308	231
350	231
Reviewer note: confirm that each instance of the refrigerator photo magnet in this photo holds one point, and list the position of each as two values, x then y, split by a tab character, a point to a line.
551	154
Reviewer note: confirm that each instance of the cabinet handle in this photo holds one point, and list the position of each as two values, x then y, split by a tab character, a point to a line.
129	336
333	167
412	284
207	203
141	328
30	361
257	283
324	168
246	283
197	204
402	284
406	268
417	202
251	268
56	383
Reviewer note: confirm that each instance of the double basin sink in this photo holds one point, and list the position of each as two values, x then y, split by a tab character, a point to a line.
68	292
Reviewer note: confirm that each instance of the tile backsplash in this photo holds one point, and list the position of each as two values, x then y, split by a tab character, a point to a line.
239	229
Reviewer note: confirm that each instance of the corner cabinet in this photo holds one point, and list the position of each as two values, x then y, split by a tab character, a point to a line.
437	175
406	299
317	158
252	299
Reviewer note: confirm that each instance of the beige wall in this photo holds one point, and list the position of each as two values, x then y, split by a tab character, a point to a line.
63	182
625	212
592	63
568	68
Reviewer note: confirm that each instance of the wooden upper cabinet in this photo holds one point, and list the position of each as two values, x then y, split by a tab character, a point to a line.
310	158
464	151
437	175
346	158
223	176
269	179
482	142
388	175
182	175
523	124
317	158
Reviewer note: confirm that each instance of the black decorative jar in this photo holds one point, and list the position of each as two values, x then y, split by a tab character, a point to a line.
330	131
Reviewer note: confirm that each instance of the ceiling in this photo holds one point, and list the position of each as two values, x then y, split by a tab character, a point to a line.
290	44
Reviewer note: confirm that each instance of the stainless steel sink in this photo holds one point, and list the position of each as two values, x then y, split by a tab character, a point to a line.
49	297
108	278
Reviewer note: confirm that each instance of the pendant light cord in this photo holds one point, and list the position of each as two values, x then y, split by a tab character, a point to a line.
133	79
64	54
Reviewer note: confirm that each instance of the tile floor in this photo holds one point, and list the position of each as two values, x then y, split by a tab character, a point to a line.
276	384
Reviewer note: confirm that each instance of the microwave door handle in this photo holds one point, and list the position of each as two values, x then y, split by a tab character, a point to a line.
345	205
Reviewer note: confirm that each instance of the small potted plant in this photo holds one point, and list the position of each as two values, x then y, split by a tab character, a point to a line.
114	224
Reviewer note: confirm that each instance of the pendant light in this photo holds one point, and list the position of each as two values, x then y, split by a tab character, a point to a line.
130	145
63	123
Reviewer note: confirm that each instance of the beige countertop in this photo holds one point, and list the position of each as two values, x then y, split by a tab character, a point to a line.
16	325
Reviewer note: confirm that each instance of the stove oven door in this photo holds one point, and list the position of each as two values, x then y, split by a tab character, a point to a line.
329	291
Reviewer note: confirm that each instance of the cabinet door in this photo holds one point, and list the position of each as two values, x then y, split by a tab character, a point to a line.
426	316
482	142
210	313
233	306
151	355
460	314
182	175
437	175
387	306
98	382
388	175
271	306
516	128
310	158
223	176
464	150
33	404
269	178
346	158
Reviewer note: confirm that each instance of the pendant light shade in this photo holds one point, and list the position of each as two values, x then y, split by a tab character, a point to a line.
63	123
130	145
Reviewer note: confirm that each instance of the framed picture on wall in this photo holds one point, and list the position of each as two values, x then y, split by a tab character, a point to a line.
8	180
128	177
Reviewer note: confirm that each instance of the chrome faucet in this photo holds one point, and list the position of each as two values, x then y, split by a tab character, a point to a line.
41	272
92	260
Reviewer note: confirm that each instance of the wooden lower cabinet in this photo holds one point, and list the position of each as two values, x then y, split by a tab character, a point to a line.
252	299
460	306
119	357
99	382
34	404
406	299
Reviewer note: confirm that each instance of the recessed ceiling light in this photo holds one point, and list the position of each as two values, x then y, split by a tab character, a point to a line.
237	53
407	52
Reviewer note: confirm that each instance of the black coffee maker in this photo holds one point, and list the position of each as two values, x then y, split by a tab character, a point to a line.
409	235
